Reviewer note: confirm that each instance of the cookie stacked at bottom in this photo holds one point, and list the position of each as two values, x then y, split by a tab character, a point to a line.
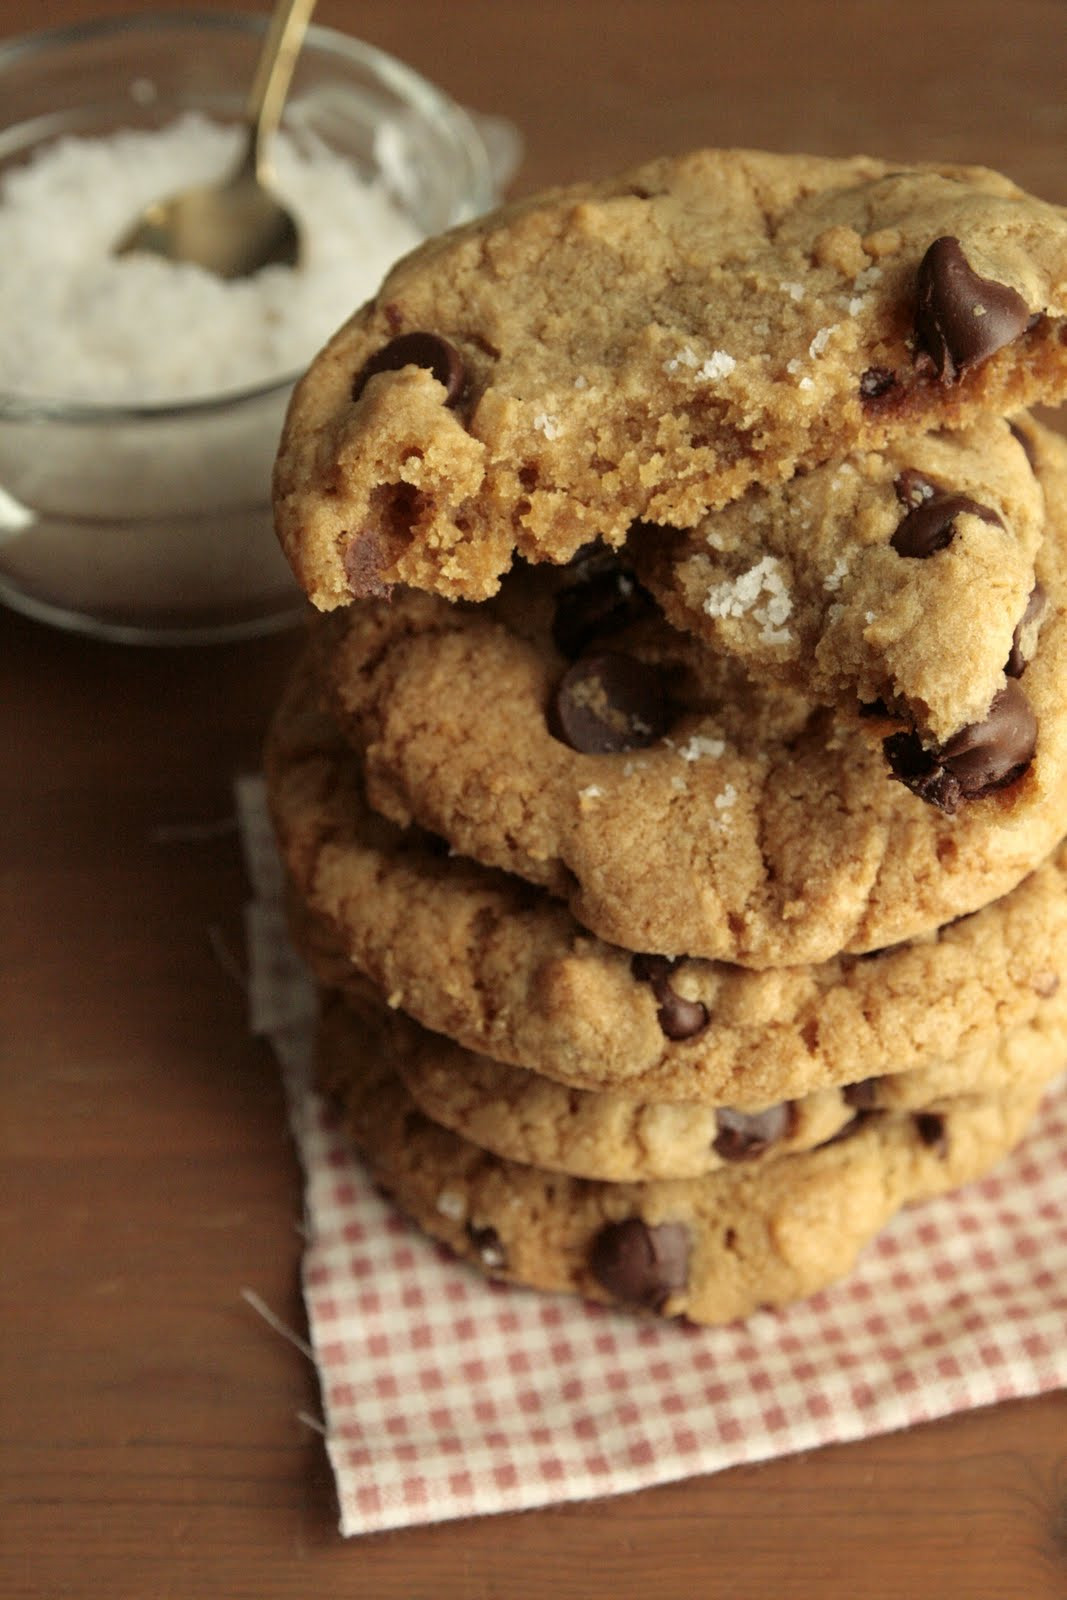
689	1135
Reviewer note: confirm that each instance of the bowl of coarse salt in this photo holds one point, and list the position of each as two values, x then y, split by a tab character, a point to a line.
141	400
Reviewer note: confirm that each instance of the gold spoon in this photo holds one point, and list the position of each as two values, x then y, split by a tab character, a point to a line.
235	227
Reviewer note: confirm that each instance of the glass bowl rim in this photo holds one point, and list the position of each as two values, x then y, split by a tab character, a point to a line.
410	85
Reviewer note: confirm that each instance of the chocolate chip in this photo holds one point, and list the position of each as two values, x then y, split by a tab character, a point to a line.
931	1130
489	1248
427	350
605	599
863	1096
393	510
990	754
930	525
876	382
976	761
962	319
744	1134
1017	660
609	703
679	1018
640	1263
914	488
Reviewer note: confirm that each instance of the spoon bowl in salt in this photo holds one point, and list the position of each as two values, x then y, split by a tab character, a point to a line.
238	226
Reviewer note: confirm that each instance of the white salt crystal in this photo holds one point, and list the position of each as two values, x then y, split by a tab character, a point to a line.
718	365
839	570
700	744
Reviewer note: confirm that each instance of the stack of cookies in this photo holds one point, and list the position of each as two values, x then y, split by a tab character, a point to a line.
673	793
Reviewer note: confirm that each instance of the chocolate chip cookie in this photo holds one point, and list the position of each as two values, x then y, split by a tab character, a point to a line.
860	582
711	1249
675	806
650	347
507	972
526	1118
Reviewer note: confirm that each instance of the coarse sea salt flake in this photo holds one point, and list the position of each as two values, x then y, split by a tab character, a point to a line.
718	365
548	424
701	744
686	357
452	1204
838	571
738	596
821	340
795	291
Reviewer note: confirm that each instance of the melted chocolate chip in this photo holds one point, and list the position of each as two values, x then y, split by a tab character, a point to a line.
976	761
609	703
990	754
744	1134
679	1018
862	1096
931	1130
914	488
489	1248
930	525
1017	660
962	319
602	602
640	1263
393	510
427	350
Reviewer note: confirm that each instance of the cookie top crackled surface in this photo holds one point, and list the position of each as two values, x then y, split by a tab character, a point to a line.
649	347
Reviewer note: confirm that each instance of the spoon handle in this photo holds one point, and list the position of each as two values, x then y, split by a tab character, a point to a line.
270	85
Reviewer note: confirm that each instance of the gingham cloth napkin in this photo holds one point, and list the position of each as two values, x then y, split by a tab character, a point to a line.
447	1396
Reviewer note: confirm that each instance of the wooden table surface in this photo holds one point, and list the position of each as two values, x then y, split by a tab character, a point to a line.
150	1418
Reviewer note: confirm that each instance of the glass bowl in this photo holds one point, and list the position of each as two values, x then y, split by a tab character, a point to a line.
151	523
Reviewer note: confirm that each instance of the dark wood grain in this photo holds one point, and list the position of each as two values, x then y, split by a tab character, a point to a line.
153	1445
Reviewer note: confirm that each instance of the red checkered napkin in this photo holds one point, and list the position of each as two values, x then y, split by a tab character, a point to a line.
447	1396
